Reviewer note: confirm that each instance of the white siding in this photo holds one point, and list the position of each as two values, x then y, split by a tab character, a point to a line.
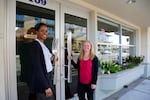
2	82
1	17
2	26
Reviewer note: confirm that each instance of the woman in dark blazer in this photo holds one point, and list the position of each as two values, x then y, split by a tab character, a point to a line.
40	85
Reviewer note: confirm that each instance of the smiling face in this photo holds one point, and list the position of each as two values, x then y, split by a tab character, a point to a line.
87	50
86	47
42	33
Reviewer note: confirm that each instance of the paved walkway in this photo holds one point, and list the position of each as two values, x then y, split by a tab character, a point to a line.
138	90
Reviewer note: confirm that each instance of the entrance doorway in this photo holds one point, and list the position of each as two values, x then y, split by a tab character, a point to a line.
75	21
60	20
78	28
26	18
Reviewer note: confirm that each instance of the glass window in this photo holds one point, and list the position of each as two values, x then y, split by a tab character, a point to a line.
111	41
128	42
27	16
108	40
78	27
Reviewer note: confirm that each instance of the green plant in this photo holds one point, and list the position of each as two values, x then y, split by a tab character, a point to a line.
134	60
109	67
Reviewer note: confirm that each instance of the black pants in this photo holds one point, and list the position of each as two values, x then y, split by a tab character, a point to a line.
83	89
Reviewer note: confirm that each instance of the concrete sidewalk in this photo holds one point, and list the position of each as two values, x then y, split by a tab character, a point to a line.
138	90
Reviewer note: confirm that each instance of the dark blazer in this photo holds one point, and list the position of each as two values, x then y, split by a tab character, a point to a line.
38	76
95	64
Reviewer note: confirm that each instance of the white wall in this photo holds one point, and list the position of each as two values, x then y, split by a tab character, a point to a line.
10	49
1	17
2	82
148	44
144	43
93	29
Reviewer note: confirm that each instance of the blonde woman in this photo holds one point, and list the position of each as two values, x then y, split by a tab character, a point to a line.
87	66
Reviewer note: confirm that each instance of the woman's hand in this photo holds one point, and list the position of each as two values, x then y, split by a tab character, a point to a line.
55	59
48	92
69	57
93	86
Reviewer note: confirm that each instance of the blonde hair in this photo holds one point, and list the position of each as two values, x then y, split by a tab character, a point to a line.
92	54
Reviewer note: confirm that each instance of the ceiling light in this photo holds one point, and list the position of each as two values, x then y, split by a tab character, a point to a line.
131	1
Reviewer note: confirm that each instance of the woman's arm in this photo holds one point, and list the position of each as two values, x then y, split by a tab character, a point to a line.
94	70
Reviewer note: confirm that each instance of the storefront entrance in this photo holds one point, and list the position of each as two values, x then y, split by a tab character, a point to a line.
61	19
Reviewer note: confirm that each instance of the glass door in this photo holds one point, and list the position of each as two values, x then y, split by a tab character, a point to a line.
75	22
78	27
26	17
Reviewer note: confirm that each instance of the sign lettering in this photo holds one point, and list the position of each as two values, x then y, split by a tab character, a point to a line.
42	2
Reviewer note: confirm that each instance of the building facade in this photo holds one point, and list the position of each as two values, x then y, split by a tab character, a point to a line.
113	38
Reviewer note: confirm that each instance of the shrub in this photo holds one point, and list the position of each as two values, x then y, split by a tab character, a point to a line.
108	67
132	61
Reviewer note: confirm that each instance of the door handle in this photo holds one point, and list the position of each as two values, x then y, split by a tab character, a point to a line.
69	50
69	72
55	51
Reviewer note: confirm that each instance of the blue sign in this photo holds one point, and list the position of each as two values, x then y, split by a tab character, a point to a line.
42	2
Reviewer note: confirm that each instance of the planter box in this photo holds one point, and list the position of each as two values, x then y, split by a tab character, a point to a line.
116	81
146	70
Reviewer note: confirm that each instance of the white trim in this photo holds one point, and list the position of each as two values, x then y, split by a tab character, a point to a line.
57	35
62	52
116	44
2	71
92	27
2	11
10	50
5	54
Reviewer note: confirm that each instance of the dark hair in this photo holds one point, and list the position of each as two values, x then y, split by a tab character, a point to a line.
31	30
39	25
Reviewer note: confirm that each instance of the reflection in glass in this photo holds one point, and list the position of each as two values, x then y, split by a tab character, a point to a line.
78	27
111	41
128	42
108	40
